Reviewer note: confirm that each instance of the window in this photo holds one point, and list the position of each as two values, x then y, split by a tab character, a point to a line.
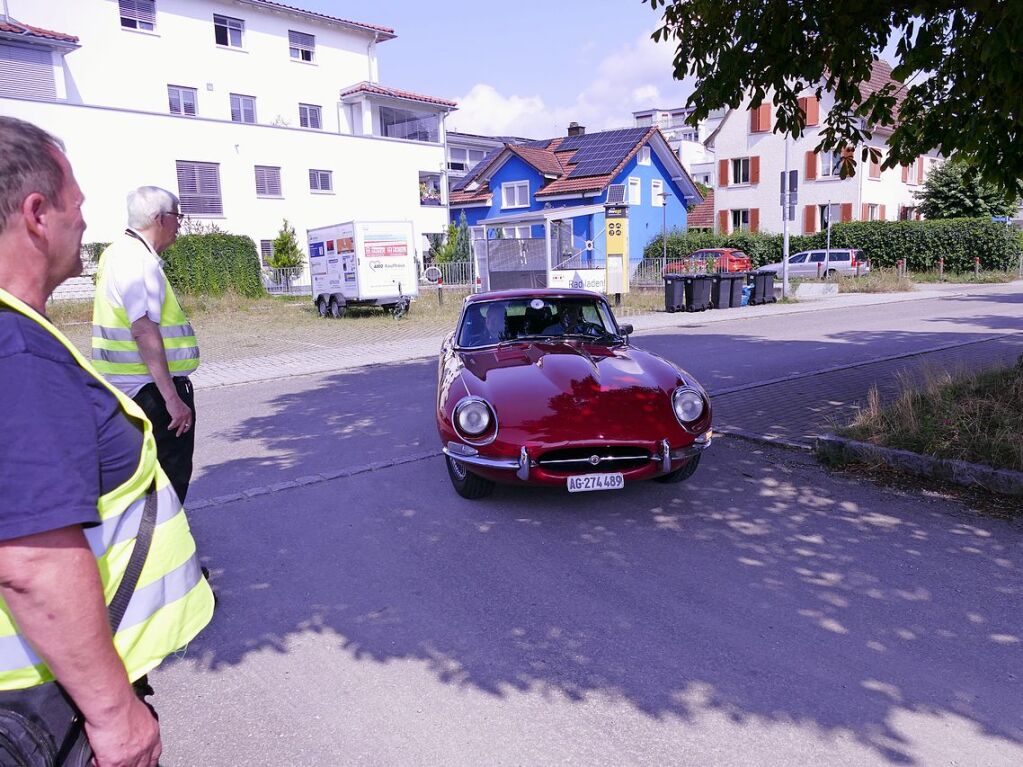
228	31
429	189
409	125
26	71
321	180
644	156
831	164
911	175
138	14
266	250
309	116
301	47
656	189
644	121
464	159
799	258
182	100
635	191
740	220
875	168
873	213
199	188
243	108
515	194
740	170
516	232
689	135
268	181
823	214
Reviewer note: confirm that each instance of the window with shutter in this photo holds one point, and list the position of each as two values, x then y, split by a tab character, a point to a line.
199	188
181	100
26	72
243	108
309	116
138	14
301	47
266	250
268	181
321	180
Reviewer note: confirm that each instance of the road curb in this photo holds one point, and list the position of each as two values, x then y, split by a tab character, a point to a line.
834	449
763	439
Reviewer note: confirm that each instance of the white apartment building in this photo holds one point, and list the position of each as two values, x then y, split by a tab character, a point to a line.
688	141
252	111
751	158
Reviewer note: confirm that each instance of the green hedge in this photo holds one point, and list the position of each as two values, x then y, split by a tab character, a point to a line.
213	264
920	243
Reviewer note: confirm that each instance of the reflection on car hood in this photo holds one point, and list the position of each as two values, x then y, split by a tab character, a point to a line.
569	390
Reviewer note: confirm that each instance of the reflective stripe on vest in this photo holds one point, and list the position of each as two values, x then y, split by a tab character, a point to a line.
171	602
115	353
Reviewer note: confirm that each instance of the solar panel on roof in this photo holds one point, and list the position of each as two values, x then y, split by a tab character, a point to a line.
616	194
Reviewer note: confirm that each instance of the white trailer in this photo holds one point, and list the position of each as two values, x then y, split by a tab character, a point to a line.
367	263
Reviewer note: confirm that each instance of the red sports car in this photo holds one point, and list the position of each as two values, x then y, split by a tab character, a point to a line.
543	387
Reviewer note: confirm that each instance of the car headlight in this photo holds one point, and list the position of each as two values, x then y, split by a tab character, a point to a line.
687	404
473	417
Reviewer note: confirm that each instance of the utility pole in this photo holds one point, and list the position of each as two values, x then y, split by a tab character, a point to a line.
664	226
785	225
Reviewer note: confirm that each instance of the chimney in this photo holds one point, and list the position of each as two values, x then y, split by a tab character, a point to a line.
575	129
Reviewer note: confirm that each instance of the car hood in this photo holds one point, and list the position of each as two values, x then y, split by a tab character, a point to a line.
557	392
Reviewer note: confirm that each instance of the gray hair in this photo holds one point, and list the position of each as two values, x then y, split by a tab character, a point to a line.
148	202
28	165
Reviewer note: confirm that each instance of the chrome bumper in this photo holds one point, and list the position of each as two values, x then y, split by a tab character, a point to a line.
469	455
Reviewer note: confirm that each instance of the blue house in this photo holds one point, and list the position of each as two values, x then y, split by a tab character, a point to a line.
520	191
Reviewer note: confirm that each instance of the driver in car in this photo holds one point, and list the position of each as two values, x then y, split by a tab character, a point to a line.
570	322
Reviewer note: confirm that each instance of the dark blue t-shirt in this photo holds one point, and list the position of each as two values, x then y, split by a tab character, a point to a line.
64	440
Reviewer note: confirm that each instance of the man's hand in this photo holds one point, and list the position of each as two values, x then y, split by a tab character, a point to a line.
129	740
180	413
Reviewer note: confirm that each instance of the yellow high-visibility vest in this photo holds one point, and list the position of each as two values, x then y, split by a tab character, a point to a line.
172	601
115	353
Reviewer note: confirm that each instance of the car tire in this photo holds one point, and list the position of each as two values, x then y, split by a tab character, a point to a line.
321	307
337	309
681	474
831	274
467	484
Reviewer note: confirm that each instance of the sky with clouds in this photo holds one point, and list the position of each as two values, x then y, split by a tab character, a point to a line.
524	69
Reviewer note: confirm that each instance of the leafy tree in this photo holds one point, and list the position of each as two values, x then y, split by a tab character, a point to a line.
286	253
956	190
463	245
960	64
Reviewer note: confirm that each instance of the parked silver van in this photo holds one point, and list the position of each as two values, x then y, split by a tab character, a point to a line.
823	263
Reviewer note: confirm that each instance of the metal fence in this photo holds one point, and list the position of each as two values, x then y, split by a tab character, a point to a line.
287	282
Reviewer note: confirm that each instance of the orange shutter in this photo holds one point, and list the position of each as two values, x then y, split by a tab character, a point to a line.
875	168
864	212
765	118
919	170
722	172
754	219
754	170
811	166
812	110
846	211
880	212
722	222
754	121
809	219
905	174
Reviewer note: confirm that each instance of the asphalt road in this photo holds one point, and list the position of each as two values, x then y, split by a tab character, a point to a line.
765	612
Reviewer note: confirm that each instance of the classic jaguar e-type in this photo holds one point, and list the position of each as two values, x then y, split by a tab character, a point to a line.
544	387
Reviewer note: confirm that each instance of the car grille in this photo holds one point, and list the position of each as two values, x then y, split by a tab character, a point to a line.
580	460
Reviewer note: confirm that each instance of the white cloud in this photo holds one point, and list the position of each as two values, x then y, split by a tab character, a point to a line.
637	76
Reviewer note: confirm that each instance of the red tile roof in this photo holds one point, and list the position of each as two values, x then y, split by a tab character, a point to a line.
380	90
481	196
387	31
566	185
541	159
17	28
702	216
880	76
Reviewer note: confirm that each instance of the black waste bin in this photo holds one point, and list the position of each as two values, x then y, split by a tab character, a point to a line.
720	290
697	292
674	293
763	288
738	281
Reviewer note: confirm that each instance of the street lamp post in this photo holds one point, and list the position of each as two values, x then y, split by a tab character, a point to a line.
665	196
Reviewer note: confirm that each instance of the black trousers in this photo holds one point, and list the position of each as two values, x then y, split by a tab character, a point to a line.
173	452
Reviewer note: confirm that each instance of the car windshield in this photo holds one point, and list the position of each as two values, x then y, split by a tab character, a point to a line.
487	323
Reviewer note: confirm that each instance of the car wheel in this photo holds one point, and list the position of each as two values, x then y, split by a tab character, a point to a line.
337	310
321	307
467	484
832	274
680	474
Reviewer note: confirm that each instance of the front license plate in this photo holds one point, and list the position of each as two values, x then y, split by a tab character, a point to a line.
585	482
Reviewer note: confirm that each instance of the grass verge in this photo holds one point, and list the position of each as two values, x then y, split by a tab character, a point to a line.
973	417
876	281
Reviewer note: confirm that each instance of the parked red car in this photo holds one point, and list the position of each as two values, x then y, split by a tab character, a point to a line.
543	387
726	260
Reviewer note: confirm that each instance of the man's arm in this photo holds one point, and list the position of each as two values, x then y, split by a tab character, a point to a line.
147	335
52	587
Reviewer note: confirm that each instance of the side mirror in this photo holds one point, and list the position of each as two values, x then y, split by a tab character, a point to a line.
627	330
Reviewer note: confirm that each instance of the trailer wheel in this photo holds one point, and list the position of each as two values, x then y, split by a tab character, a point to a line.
337	310
321	306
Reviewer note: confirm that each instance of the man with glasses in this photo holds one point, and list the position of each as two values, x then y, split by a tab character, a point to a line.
142	341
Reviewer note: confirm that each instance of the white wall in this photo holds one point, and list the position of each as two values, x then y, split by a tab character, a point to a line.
114	151
131	69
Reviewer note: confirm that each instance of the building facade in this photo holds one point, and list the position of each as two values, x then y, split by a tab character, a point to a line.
251	111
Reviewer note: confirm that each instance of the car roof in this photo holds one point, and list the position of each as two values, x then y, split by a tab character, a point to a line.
500	295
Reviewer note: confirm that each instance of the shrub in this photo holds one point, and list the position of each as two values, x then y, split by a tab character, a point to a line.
213	264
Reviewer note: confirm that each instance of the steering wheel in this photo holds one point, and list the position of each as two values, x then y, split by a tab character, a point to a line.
585	328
